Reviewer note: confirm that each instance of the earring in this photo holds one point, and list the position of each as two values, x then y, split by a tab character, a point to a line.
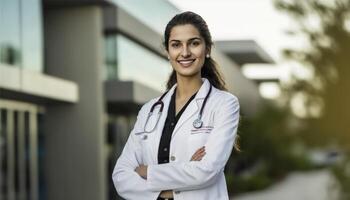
207	56
168	58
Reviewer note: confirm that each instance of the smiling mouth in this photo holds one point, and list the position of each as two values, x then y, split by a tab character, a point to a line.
186	63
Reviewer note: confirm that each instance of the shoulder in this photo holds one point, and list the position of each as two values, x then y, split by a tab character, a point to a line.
147	106
226	104
224	96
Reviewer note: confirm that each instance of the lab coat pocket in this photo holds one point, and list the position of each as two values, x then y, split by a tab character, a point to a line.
199	137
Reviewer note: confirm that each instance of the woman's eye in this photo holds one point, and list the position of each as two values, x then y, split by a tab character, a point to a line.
195	43
175	45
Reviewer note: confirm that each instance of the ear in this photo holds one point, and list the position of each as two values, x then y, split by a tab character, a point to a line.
208	51
166	53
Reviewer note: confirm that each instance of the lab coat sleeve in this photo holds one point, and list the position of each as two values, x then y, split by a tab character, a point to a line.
200	174
127	182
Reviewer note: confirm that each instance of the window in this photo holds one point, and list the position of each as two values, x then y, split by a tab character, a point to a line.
111	57
21	34
144	11
10	32
129	61
32	45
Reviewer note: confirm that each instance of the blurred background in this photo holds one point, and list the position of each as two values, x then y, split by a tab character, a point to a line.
74	73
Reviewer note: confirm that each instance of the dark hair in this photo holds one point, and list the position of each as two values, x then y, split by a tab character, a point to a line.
209	69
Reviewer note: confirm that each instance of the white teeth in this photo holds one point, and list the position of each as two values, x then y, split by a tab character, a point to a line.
186	61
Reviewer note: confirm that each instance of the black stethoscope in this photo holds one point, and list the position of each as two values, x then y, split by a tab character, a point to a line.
197	123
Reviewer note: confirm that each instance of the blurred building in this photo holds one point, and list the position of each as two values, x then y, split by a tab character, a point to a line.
73	74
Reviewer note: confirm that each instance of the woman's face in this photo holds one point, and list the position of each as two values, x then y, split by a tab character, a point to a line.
186	50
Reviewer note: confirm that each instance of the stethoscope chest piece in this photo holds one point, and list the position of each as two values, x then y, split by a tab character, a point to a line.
197	123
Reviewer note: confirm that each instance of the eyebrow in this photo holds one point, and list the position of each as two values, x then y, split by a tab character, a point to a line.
195	38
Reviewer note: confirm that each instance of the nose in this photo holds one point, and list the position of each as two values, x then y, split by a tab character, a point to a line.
185	52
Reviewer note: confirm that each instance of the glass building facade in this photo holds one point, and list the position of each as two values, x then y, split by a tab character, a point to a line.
141	10
21	40
128	61
21	46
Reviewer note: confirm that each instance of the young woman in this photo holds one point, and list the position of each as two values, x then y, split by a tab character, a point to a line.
182	140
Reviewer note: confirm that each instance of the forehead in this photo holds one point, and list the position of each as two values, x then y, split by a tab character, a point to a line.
184	32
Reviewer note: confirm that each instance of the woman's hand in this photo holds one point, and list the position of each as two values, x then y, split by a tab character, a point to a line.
166	194
142	171
199	154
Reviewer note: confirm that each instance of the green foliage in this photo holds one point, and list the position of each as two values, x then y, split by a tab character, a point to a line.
326	54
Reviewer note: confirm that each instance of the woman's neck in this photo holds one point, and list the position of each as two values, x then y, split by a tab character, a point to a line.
187	86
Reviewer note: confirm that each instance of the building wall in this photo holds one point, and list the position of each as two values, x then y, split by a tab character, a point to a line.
75	134
246	90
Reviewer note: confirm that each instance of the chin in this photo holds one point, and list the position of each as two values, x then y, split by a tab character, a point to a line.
188	74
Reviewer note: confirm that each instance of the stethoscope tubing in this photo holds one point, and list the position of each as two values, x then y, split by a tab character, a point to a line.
196	124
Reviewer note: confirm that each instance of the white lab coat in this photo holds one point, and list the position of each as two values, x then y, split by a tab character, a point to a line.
189	180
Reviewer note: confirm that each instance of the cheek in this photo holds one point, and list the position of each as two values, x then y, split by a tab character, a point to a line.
173	62
173	55
200	53
201	56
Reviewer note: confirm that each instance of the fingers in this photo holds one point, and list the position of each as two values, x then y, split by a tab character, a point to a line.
198	157
142	171
199	154
137	170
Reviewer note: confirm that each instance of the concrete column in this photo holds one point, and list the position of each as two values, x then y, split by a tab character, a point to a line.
74	134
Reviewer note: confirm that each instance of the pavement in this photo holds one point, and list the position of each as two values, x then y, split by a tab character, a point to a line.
314	185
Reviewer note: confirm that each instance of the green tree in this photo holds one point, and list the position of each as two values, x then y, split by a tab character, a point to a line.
327	55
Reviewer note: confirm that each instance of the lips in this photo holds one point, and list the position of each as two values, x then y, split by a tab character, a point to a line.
186	63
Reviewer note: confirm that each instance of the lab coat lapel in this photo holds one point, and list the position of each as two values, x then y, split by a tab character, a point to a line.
193	107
